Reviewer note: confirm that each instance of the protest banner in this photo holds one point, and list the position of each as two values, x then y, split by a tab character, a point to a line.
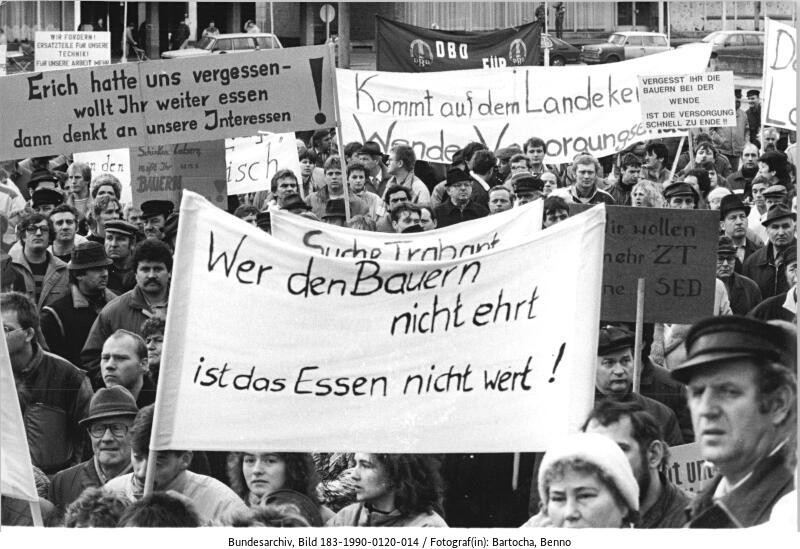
492	353
250	162
406	48
574	109
162	172
117	162
166	102
779	88
673	250
16	471
684	101
57	50
495	232
687	469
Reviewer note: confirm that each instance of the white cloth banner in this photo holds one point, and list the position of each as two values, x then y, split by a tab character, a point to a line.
575	109
461	240
269	346
16	471
117	162
779	93
250	162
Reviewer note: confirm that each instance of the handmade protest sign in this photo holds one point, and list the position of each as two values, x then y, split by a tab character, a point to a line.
489	353
687	469
456	241
779	92
162	172
16	471
574	109
407	48
252	161
117	162
687	100
166	102
673	250
57	50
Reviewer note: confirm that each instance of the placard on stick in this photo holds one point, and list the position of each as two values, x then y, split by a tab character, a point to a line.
162	172
673	250
687	101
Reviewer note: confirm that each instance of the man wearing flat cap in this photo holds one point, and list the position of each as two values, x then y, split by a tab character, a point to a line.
154	215
111	414
743	293
120	239
44	201
774	195
66	323
681	196
782	306
504	157
733	215
765	266
741	387
527	188
754	116
460	207
614	380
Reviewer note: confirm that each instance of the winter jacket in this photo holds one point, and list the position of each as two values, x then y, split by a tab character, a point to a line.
56	279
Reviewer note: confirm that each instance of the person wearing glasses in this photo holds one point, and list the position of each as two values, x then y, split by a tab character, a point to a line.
743	293
111	413
39	274
54	395
460	207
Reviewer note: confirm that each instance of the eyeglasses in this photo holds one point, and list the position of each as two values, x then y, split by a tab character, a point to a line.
118	430
33	229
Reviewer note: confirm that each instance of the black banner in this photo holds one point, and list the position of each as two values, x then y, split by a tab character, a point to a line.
406	48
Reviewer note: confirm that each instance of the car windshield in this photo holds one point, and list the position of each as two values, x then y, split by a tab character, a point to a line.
205	43
717	38
616	39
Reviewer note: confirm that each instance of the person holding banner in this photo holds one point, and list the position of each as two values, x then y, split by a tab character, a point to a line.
742	394
394	490
214	502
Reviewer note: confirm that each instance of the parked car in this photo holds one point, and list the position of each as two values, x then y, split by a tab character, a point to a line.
561	52
227	43
624	45
732	49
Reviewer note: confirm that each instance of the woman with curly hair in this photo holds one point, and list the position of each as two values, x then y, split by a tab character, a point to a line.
276	477
394	490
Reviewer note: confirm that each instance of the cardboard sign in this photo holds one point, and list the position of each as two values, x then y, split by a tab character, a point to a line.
252	161
491	353
16	471
117	162
675	252
70	50
574	109
779	96
688	100
166	102
687	469
494	232
406	48
164	171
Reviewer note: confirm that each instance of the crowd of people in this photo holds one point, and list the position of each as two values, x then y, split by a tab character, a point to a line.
85	282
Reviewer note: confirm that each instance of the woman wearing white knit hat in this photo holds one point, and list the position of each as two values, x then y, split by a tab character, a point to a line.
585	481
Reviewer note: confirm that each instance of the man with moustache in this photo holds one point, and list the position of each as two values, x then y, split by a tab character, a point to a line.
66	323
111	413
152	262
154	216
